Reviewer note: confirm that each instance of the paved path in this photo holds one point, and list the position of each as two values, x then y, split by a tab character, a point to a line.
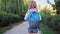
20	29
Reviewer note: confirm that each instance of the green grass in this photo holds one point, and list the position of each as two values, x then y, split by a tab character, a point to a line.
4	29
45	30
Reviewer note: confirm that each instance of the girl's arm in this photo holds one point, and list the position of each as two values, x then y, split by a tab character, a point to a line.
26	16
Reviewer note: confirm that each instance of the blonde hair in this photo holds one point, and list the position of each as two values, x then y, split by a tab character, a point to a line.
32	4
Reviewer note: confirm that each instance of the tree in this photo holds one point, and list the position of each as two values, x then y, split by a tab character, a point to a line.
3	4
14	6
56	6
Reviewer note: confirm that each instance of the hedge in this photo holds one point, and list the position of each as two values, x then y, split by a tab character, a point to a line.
6	18
52	21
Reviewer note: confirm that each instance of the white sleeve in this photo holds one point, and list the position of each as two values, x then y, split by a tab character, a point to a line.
26	16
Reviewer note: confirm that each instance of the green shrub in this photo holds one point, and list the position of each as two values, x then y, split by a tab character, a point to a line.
6	18
54	22
51	21
45	30
45	14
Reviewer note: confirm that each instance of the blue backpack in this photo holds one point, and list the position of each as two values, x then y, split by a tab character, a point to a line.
34	16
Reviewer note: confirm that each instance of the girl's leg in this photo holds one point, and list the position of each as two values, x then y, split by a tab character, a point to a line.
31	33
30	30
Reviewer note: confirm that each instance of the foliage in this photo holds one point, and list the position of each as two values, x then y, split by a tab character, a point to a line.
45	30
45	12
51	21
4	29
13	6
7	18
56	5
12	11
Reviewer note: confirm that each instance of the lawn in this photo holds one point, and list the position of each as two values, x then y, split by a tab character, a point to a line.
45	30
4	29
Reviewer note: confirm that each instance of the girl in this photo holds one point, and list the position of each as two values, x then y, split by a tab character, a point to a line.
33	17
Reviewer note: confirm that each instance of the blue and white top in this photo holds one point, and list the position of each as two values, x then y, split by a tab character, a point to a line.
29	12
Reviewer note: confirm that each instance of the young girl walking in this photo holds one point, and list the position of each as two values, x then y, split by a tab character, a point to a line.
33	17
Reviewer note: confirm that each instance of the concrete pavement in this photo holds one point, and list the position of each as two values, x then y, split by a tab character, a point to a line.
20	29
